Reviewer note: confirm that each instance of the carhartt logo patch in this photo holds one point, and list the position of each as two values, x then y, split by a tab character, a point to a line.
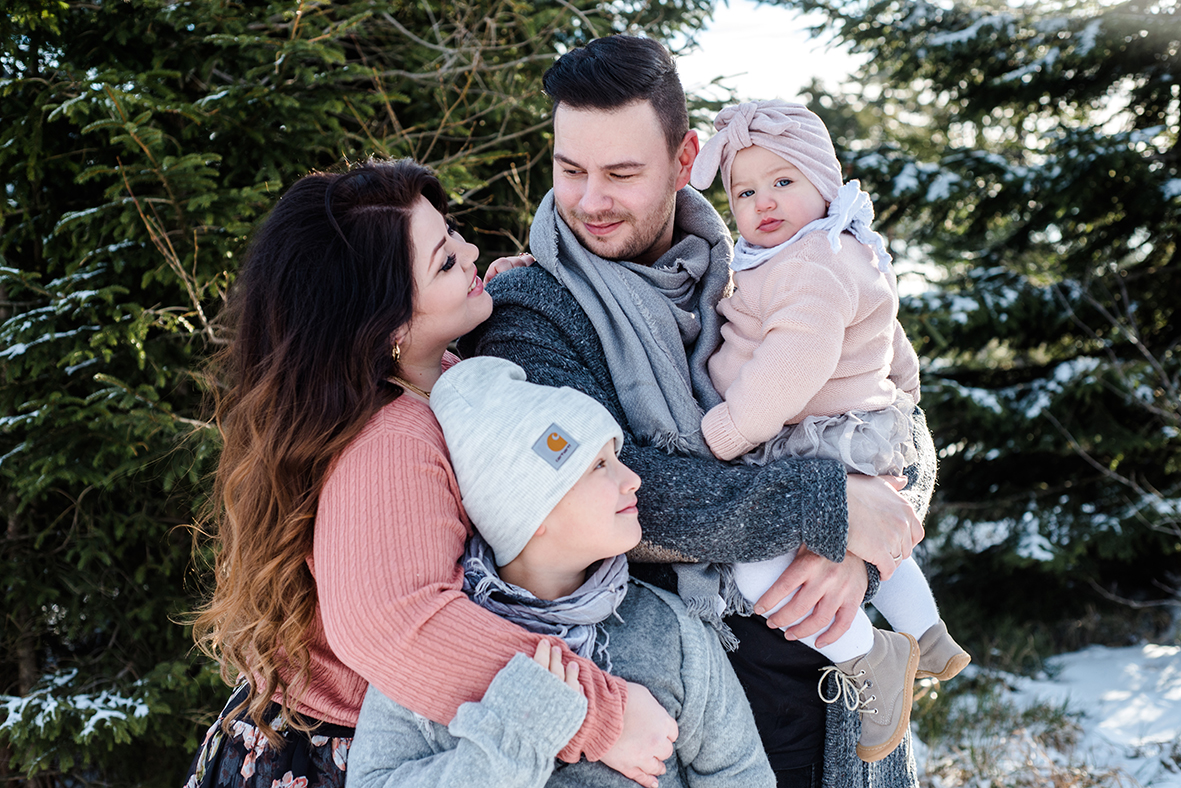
555	446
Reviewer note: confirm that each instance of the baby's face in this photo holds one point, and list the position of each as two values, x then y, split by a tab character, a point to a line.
770	197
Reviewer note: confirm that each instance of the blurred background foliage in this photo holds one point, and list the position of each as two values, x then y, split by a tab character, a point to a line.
1023	159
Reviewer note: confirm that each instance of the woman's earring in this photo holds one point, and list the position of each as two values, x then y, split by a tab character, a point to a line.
396	352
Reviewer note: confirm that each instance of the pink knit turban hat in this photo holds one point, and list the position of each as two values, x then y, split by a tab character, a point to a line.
782	127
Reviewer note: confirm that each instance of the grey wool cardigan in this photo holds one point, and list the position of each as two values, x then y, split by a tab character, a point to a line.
701	509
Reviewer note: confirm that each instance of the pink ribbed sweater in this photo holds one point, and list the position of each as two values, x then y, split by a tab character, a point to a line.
810	332
389	531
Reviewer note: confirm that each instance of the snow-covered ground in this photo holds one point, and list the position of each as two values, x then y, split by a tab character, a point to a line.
1124	705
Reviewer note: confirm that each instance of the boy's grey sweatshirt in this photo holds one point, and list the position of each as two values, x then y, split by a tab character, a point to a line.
511	738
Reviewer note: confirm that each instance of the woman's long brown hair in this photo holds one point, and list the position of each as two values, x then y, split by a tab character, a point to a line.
327	280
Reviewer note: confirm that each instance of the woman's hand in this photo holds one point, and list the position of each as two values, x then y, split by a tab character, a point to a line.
646	741
833	592
550	658
502	264
883	528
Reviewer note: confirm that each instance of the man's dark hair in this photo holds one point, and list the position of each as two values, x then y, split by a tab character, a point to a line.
610	73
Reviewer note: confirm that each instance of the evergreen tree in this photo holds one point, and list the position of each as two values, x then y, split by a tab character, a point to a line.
1029	155
140	142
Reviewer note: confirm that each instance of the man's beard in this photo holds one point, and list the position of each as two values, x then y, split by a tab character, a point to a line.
646	233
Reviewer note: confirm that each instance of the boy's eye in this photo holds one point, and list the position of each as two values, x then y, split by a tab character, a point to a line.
746	193
783	182
449	263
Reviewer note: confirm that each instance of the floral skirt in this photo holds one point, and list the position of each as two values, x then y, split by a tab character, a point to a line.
244	758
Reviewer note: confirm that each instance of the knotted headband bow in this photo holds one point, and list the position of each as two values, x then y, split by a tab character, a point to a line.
785	128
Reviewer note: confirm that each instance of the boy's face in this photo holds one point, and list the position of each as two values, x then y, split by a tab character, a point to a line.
615	182
597	517
770	198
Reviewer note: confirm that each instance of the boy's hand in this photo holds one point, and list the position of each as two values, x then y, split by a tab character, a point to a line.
833	592
550	658
646	741
502	264
883	528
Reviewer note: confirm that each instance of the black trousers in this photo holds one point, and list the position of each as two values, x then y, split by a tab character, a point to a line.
780	678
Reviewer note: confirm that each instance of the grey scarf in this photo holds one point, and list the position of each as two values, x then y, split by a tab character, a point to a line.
658	327
575	618
657	323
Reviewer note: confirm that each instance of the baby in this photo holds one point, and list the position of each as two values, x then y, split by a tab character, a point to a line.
814	363
555	510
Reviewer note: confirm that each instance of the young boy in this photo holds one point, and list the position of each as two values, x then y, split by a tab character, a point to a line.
814	363
555	510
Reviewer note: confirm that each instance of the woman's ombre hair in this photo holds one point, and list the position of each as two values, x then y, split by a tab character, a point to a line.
327	280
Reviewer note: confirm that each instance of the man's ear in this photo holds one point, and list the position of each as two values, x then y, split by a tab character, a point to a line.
686	155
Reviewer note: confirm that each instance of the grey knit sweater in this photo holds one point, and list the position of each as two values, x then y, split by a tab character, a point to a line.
700	509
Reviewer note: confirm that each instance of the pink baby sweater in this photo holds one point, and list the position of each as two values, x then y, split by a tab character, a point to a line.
810	332
389	532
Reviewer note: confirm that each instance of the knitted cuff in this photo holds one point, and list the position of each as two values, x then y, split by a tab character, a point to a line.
534	707
825	497
721	435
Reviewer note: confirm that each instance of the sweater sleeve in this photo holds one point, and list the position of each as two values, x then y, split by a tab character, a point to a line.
389	533
507	740
806	306
691	508
904	369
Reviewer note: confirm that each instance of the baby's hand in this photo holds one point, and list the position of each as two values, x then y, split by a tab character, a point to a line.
550	658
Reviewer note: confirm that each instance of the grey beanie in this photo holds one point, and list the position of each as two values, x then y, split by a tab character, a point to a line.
516	447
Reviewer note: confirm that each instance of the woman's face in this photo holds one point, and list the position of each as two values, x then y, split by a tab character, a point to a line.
449	297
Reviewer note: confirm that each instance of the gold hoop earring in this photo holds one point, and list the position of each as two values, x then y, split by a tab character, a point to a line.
396	352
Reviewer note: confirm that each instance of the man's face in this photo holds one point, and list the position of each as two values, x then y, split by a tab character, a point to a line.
615	182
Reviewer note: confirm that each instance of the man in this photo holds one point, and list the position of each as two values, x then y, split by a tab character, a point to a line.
630	264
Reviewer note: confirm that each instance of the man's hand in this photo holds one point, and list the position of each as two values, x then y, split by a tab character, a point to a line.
502	264
883	528
646	741
833	592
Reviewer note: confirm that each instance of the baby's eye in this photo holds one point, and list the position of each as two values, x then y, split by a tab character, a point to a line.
449	263
746	193
783	182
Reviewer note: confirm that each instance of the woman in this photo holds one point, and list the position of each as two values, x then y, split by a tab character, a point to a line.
339	520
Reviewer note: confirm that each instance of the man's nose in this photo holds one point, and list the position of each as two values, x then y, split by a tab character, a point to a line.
596	198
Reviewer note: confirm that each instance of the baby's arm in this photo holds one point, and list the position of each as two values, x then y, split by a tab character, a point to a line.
507	740
805	312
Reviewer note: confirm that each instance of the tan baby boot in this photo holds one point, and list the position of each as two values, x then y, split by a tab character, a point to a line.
879	685
941	657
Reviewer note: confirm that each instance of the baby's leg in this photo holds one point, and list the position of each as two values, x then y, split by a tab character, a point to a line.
753	580
906	600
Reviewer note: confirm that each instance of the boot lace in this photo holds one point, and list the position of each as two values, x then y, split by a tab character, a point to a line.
848	691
